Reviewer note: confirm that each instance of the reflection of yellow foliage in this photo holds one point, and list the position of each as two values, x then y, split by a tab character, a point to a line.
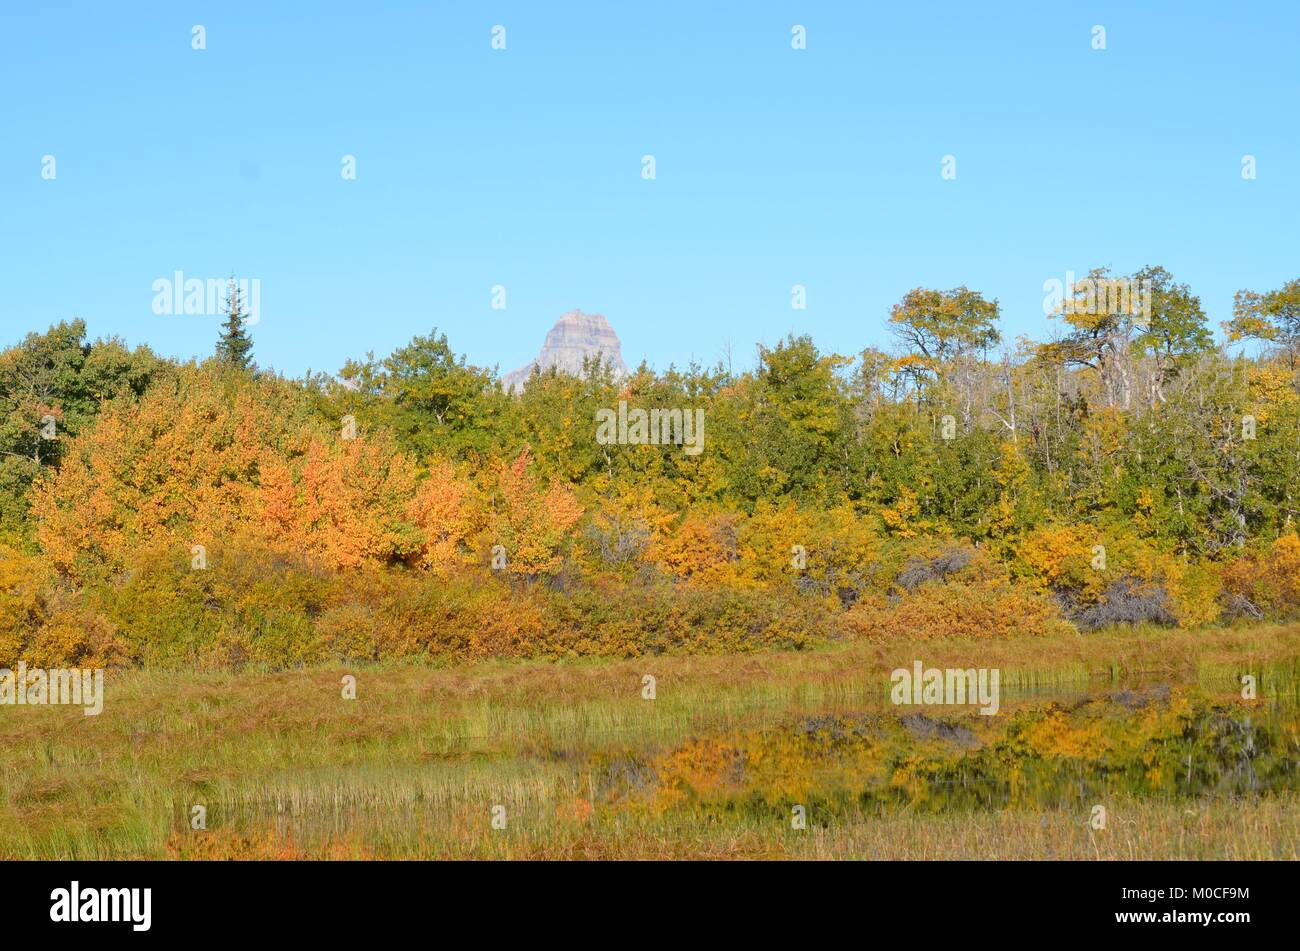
1055	735
908	776
577	810
700	769
269	844
1134	741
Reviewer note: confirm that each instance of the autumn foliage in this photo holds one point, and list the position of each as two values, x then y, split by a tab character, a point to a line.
203	514
528	521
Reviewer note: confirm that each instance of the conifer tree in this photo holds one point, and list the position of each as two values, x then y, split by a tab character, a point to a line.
235	346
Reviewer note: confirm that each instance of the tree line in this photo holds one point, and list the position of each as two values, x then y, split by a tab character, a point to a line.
1128	467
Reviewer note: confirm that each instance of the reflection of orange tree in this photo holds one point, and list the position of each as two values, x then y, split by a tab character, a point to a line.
1136	743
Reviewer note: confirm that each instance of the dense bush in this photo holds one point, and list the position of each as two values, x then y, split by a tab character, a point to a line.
960	592
45	623
1266	582
253	605
919	572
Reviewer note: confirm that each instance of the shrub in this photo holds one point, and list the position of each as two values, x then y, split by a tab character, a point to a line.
703	550
1127	602
836	548
74	635
939	610
956	592
1059	558
657	618
250	604
48	625
920	571
1265	583
22	602
530	522
213	454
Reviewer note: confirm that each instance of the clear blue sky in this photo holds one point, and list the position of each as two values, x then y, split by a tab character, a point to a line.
523	167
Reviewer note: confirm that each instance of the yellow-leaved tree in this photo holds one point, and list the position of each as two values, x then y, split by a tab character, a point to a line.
529	523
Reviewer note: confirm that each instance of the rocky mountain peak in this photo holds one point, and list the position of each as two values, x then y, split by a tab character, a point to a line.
576	336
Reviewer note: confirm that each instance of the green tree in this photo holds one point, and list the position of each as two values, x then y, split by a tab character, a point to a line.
52	386
935	327
1273	316
235	346
1174	332
436	402
788	429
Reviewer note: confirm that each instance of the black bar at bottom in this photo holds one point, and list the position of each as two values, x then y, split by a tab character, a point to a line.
364	899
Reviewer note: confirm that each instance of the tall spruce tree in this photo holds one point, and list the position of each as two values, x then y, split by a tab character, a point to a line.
235	346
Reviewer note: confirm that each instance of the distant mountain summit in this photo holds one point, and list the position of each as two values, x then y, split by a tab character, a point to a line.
576	336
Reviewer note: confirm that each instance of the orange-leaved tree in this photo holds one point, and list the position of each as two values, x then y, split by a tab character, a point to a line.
344	503
213	454
528	522
445	512
703	551
182	462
